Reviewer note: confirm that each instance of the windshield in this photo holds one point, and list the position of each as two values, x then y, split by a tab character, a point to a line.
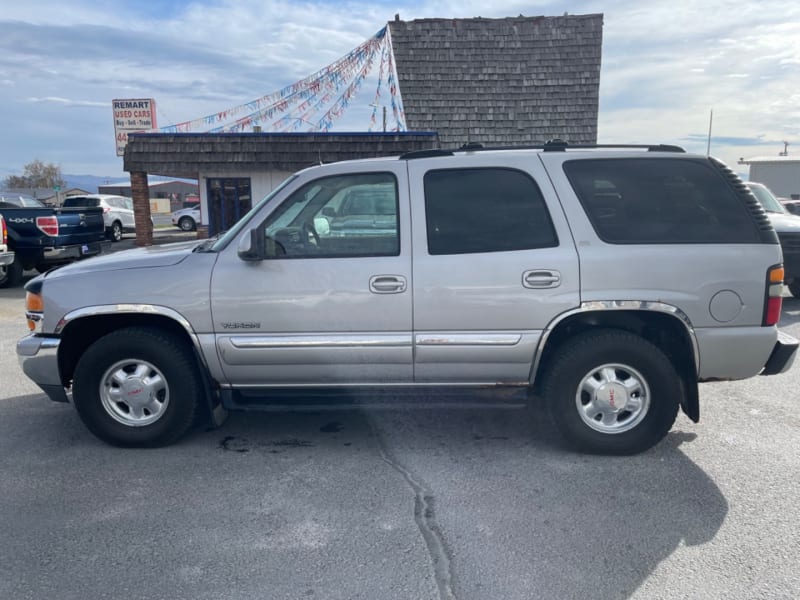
768	201
225	239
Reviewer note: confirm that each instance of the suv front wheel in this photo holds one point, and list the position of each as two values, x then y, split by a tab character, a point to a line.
611	392
137	386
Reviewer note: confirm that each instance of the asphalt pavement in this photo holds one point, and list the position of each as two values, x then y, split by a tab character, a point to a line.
454	502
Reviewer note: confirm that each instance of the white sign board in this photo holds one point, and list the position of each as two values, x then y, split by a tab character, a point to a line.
132	115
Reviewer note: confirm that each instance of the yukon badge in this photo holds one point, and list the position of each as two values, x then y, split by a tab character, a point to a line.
240	325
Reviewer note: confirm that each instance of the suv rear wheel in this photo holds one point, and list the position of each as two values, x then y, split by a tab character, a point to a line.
137	386
612	392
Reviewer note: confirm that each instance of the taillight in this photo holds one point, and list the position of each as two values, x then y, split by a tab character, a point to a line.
106	209
774	299
3	231
48	225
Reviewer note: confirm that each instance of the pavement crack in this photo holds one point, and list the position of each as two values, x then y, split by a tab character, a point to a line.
425	517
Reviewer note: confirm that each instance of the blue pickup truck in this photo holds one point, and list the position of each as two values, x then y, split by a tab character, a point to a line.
42	237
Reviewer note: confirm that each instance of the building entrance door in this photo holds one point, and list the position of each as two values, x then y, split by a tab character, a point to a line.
229	198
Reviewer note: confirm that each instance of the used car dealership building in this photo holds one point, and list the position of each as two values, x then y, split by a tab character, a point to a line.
497	82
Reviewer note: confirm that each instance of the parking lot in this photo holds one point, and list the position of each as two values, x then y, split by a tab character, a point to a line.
456	501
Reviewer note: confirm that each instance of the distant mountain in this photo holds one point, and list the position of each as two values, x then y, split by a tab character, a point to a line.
88	182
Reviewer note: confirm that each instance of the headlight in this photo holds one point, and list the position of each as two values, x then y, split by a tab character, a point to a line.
34	311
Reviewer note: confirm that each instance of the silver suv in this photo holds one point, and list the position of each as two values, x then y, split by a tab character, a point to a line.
607	281
118	213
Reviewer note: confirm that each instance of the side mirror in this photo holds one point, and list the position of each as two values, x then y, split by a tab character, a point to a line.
328	211
252	247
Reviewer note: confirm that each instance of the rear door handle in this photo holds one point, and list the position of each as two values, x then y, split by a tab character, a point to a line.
387	284
541	278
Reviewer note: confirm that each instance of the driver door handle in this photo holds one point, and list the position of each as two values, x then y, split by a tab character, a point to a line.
387	284
541	278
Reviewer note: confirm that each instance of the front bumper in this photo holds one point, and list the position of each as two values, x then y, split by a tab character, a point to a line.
38	357
782	356
6	258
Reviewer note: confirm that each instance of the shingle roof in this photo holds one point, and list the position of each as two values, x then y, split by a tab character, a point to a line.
187	154
501	81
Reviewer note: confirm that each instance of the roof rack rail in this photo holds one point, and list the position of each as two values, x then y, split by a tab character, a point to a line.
425	154
555	145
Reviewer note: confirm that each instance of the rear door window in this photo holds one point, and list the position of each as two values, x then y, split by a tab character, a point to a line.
660	201
485	210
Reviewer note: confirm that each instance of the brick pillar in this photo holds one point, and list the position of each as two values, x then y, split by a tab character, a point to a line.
141	208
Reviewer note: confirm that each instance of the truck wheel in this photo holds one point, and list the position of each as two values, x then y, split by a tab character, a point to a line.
137	387
611	392
794	288
11	275
115	231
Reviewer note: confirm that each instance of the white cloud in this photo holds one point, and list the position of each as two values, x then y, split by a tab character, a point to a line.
666	64
68	102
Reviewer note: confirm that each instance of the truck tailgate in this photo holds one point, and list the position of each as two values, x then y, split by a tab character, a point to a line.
79	225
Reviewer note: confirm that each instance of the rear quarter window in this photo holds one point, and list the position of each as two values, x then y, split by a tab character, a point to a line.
660	201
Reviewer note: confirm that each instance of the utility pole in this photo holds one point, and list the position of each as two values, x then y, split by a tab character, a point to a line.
710	120
384	119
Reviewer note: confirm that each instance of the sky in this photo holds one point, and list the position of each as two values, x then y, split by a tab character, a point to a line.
665	65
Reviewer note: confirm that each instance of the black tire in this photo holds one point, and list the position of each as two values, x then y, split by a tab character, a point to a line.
160	382
187	224
115	231
11	275
611	362
794	288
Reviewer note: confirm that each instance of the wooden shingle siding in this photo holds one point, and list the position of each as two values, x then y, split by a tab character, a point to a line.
521	80
187	154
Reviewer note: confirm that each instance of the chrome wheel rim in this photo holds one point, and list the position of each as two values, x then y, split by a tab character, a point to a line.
613	398
134	392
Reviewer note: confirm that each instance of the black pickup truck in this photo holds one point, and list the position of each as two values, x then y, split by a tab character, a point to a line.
42	237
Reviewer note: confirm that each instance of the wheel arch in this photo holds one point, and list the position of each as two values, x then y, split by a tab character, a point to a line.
80	329
665	326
